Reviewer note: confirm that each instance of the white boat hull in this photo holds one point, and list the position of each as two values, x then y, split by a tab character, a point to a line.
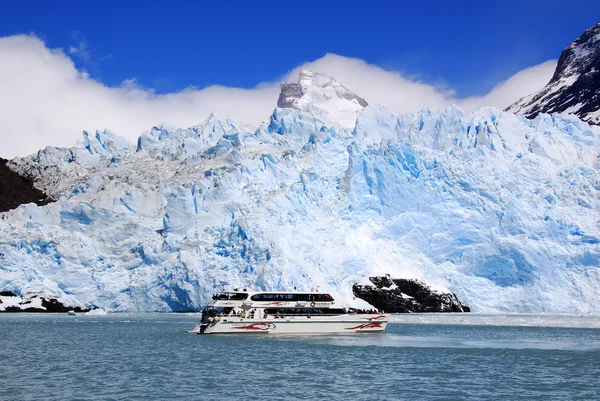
342	324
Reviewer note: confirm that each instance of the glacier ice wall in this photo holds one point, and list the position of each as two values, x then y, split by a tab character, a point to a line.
502	210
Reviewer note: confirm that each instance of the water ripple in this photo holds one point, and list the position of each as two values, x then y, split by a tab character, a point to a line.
149	357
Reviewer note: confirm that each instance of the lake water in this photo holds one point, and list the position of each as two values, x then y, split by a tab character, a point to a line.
150	357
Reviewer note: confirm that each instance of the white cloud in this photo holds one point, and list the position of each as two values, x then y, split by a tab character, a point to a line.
47	101
505	93
403	95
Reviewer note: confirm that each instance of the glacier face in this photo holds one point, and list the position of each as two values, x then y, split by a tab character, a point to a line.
502	210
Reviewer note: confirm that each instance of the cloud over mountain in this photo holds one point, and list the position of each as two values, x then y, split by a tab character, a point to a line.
48	101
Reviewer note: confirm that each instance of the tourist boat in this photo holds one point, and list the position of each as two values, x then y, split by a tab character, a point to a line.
285	313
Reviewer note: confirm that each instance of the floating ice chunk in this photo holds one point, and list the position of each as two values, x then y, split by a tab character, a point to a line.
96	312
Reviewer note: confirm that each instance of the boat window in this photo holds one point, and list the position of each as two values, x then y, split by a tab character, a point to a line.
211	311
304	311
272	297
230	296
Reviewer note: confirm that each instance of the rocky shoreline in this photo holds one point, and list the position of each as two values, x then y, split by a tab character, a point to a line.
36	303
393	295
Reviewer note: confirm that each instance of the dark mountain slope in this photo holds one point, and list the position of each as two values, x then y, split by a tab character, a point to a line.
16	190
575	85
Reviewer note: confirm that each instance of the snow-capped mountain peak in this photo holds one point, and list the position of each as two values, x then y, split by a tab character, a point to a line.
322	96
575	85
580	56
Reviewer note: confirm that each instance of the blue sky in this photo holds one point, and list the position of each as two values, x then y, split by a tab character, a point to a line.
168	46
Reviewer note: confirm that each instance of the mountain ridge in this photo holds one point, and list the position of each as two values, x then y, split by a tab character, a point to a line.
575	84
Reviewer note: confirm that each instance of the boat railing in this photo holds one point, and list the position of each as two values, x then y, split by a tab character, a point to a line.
283	316
279	316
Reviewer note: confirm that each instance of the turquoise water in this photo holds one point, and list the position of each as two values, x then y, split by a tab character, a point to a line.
149	357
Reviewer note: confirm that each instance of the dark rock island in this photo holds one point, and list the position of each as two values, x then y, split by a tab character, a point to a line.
398	295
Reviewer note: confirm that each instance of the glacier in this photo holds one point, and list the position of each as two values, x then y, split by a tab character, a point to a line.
501	210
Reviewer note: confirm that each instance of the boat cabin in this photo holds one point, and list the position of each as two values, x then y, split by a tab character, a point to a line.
264	305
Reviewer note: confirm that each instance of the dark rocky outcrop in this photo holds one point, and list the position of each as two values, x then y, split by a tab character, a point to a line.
290	93
49	305
52	305
397	295
16	190
575	85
